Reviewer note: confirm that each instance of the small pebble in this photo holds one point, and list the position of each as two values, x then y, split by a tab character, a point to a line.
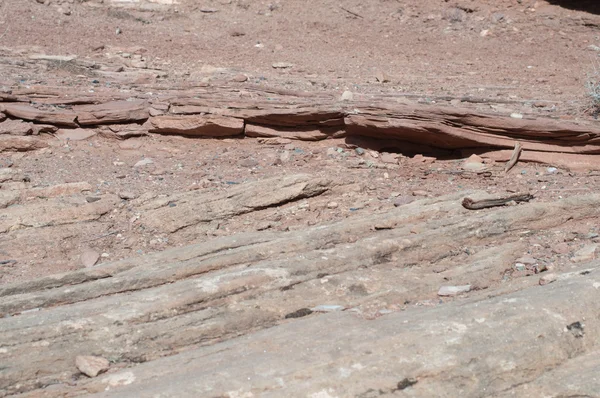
126	195
547	279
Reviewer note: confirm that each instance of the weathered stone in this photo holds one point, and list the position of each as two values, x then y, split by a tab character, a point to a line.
274	141
10	174
586	253
547	279
420	192
144	162
126	195
89	258
56	190
131	144
347	96
453	290
75	134
311	133
403	200
91	366
27	112
527	260
21	144
116	112
282	65
8	198
456	128
251	284
474	164
241	78
155	112
248	163
52	212
391	158
43	129
16	127
206	126
192	208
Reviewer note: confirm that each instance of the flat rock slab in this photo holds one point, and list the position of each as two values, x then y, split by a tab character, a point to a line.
53	212
455	128
179	211
21	143
204	126
219	112
54	191
114	112
569	161
304	134
75	134
16	127
27	112
496	345
273	287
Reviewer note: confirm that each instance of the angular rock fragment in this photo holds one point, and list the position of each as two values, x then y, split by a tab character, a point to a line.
586	253
89	258
453	290
91	366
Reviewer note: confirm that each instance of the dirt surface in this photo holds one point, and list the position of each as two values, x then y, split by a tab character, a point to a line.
505	50
75	200
533	55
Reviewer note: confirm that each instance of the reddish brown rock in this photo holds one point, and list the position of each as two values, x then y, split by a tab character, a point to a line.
206	126
112	113
43	129
16	127
295	117
155	112
454	128
21	144
299	133
28	112
124	131
568	161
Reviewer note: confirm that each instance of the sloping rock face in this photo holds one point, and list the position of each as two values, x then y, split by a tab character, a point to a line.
349	308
